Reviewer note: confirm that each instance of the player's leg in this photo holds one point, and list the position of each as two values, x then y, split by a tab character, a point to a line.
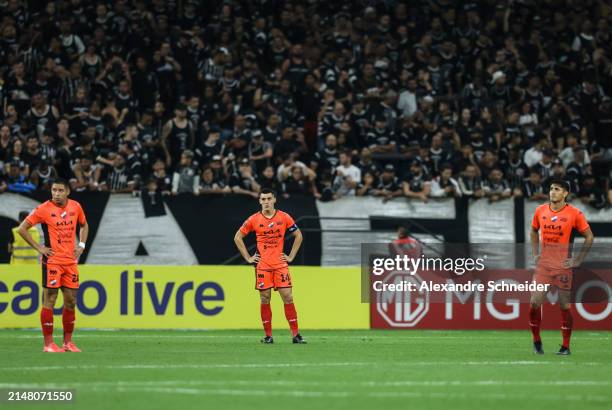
70	286
46	319
266	314
566	320
535	320
50	284
291	314
69	317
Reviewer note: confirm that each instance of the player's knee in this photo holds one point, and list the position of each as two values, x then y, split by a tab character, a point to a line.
564	300
265	299
535	304
288	299
70	304
49	298
49	303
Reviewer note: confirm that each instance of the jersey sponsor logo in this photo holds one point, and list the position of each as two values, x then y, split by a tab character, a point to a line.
271	232
553	227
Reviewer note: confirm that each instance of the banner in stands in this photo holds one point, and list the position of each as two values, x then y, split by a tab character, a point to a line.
202	297
489	221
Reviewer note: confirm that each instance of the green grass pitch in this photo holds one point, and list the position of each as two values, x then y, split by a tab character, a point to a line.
336	370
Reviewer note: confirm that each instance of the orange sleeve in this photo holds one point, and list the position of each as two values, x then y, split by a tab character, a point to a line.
580	222
82	219
36	216
247	226
535	222
290	223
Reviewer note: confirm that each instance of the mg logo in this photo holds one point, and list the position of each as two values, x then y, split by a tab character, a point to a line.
402	309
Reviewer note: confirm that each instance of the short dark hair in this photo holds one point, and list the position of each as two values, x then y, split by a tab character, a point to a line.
267	191
61	181
560	182
23	215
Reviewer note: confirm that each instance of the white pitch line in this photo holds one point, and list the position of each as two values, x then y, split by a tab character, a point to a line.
291	365
369	384
492	396
345	394
188	366
485	383
236	392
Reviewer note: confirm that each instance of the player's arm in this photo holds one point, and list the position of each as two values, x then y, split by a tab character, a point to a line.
238	240
297	242
535	243
83	234
23	231
535	236
586	246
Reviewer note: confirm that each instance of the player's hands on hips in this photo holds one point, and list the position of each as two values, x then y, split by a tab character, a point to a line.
254	259
286	258
78	251
44	251
571	263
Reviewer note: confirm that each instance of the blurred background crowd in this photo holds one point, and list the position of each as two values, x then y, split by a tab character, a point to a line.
480	99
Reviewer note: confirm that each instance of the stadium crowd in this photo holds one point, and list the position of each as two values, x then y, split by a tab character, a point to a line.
420	99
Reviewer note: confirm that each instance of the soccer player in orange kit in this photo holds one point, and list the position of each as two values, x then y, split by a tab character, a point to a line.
59	218
272	270
551	230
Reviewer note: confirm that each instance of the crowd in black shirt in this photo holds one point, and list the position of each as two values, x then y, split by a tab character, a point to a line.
419	99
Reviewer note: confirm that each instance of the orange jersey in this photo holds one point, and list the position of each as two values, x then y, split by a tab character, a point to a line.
59	227
556	230
270	235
